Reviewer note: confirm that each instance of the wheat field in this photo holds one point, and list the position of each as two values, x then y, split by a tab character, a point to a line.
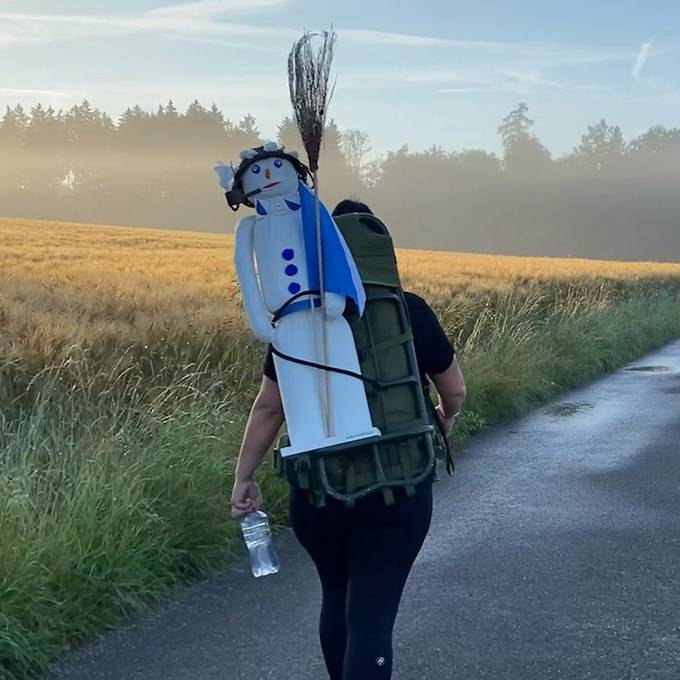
126	372
65	287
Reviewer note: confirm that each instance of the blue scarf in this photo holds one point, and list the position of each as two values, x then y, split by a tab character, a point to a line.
340	271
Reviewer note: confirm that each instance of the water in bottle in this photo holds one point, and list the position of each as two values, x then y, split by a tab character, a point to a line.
258	538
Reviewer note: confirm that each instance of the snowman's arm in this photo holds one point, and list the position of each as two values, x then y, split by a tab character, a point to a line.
334	303
256	312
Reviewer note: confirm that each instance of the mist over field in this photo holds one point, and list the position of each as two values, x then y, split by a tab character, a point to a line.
609	198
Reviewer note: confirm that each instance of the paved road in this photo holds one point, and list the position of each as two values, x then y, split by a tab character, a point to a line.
554	553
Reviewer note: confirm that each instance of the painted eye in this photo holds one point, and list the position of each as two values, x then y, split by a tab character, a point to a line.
278	162
255	169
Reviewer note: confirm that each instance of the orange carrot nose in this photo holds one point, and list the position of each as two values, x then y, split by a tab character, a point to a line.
267	173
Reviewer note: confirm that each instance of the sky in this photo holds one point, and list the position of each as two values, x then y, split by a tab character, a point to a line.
432	72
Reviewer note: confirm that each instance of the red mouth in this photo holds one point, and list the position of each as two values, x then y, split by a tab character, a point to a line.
269	186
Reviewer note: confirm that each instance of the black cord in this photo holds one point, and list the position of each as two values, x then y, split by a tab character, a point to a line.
279	312
332	369
312	364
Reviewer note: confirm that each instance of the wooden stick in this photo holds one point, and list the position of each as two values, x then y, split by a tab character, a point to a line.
325	383
310	94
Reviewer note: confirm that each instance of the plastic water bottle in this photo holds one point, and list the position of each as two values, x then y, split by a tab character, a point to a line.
258	538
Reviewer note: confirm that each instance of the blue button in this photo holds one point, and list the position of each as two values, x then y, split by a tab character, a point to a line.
288	254
291	270
294	288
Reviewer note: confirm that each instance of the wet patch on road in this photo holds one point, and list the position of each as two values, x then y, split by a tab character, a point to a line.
650	369
650	477
569	408
671	385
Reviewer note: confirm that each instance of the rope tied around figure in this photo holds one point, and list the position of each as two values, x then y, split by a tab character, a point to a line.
282	311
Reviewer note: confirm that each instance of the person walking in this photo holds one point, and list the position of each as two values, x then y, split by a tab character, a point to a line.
363	554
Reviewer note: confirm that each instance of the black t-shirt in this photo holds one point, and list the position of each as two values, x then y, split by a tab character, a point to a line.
434	351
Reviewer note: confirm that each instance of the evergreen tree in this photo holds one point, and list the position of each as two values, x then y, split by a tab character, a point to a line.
88	128
288	135
134	127
202	128
523	151
45	130
15	167
46	136
246	133
12	128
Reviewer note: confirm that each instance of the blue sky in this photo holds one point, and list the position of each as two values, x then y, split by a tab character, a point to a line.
429	72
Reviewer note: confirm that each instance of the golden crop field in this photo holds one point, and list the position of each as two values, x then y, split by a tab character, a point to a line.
151	301
108	287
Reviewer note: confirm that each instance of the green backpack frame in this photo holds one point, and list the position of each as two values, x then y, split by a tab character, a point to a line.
412	441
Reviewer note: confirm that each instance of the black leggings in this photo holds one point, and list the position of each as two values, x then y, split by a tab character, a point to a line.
363	556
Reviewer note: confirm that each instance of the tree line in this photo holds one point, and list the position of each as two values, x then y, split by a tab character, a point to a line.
607	198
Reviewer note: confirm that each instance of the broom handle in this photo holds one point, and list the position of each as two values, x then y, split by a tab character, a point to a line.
325	385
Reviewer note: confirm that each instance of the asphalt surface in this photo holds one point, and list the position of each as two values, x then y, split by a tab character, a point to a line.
554	553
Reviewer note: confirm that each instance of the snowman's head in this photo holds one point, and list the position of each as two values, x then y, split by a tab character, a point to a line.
266	172
271	176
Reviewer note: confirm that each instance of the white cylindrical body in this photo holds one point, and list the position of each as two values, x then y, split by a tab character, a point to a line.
282	271
301	390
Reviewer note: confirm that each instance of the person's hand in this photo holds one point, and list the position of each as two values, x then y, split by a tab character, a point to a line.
446	423
245	498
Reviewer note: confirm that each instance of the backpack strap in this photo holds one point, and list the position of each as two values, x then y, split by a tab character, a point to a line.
388	495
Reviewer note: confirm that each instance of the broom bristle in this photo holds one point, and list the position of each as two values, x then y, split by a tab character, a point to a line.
308	80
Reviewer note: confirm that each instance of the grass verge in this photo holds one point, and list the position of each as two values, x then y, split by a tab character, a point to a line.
112	491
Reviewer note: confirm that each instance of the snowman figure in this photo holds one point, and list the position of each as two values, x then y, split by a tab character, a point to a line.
276	259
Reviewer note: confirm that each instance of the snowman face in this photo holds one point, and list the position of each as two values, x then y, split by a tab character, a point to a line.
273	176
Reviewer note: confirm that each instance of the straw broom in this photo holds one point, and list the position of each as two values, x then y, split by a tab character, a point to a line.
308	81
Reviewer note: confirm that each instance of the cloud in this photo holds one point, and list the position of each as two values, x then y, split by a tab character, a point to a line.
22	28
466	90
386	38
197	19
462	66
552	53
641	59
210	19
416	75
263	90
259	45
458	79
204	8
11	91
523	82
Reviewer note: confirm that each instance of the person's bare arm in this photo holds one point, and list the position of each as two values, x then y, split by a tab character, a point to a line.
265	420
450	387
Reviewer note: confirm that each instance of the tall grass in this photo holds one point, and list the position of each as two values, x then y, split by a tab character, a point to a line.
108	498
122	407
